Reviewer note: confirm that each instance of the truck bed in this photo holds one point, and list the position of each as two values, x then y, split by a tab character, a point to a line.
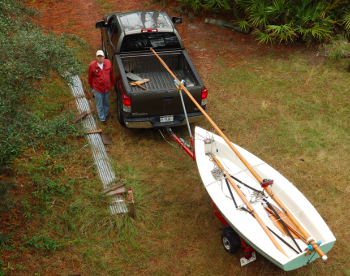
149	67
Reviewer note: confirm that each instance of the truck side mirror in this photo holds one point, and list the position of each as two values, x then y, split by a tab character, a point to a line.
176	20
100	24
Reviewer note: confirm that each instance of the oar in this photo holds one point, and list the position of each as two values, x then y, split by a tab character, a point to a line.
310	240
249	206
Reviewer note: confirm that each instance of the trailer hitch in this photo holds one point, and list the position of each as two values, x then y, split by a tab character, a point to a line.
182	143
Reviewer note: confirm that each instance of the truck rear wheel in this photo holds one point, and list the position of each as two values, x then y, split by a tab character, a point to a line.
120	110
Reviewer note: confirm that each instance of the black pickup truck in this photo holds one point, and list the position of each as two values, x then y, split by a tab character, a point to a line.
126	41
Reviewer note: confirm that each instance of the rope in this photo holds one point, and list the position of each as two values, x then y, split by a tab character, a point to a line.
311	258
166	139
283	224
282	240
255	197
228	187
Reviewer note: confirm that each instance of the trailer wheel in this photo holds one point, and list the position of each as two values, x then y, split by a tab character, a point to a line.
119	110
230	241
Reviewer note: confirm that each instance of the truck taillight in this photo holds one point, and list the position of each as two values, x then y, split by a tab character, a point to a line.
149	30
126	103
204	97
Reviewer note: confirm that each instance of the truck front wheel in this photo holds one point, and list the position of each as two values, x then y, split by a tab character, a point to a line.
120	110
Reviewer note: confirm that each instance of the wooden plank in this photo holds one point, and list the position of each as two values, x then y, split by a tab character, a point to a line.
120	190
135	83
113	187
94	131
139	82
81	116
106	139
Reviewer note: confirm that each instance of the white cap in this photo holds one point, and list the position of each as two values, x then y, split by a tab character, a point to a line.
324	257
100	53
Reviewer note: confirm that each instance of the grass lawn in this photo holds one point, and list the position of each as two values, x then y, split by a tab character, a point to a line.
288	110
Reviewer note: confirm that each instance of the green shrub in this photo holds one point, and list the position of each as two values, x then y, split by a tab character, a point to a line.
338	48
6	202
286	21
47	188
4	240
28	56
283	20
43	243
213	5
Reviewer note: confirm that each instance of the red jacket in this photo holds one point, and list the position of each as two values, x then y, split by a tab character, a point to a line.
99	79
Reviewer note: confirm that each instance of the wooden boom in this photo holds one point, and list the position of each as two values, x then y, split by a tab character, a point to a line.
250	168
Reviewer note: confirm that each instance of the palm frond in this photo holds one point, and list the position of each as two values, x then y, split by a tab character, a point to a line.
258	16
317	32
242	23
248	5
195	5
263	37
278	8
282	33
346	21
330	7
216	5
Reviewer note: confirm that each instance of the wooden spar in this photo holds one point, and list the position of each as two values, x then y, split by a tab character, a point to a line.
249	206
94	131
250	168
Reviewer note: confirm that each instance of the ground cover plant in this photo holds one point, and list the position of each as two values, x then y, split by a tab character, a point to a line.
27	56
284	21
290	109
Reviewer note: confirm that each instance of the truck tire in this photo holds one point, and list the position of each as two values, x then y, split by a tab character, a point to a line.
119	110
230	241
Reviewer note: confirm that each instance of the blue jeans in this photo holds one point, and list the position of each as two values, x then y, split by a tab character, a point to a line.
102	105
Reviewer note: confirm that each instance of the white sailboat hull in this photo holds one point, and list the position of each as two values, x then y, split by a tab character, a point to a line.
206	143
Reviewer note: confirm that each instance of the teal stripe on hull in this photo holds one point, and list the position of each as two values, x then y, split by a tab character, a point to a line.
300	261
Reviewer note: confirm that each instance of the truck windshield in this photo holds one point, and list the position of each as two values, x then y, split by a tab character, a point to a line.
139	42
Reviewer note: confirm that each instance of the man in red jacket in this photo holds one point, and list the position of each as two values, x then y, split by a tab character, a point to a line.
101	79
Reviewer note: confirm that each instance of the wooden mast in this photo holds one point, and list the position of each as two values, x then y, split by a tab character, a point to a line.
250	168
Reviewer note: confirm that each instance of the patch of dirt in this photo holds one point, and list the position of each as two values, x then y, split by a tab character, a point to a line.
204	42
